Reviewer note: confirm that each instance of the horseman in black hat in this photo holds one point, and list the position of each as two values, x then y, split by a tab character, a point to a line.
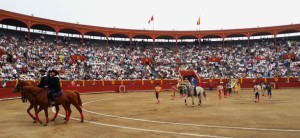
44	78
54	86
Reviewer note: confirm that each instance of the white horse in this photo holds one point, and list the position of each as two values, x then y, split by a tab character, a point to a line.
191	93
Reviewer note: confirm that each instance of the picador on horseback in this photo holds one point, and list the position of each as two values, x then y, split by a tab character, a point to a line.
54	86
44	79
195	84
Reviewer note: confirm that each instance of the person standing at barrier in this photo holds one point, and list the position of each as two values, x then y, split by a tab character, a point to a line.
229	87
257	90
173	90
263	89
269	90
157	90
220	89
237	87
225	90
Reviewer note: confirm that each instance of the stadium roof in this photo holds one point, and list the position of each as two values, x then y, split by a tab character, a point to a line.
21	20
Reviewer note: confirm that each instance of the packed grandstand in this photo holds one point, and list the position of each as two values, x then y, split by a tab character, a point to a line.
24	55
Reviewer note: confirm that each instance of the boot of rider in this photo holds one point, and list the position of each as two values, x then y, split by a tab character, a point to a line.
195	92
53	101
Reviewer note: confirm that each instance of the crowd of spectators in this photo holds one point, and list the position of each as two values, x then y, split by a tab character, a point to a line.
119	62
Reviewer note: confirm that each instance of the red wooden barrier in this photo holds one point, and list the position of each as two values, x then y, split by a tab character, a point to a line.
140	85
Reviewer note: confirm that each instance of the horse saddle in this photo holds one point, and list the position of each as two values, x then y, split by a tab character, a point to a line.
55	94
52	97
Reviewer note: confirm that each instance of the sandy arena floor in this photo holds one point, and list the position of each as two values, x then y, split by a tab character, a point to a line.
135	114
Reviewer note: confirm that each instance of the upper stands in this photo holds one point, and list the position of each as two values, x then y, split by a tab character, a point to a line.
120	62
119	54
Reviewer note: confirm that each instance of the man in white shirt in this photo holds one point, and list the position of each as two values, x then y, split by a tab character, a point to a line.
257	90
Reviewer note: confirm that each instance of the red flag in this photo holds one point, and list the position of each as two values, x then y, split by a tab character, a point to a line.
151	19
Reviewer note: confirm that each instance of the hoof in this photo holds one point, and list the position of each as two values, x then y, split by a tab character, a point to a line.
82	121
65	118
40	122
45	124
52	119
34	121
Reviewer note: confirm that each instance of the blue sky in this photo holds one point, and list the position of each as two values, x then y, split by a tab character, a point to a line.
168	14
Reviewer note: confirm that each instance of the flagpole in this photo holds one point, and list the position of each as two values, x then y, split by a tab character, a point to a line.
153	23
199	40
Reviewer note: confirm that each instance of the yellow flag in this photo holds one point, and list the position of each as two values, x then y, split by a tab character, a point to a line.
198	21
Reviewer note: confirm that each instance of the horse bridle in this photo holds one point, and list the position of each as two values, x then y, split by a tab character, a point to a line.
23	96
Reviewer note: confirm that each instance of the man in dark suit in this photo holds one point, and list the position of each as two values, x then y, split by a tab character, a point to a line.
43	81
54	86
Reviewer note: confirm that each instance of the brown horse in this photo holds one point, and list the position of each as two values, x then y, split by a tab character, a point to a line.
32	101
38	96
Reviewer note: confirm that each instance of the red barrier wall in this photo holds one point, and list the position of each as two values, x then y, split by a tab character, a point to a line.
142	85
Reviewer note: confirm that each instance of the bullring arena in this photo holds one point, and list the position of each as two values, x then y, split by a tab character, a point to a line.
135	114
116	72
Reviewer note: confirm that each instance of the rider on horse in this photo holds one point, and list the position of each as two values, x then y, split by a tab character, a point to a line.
195	84
54	86
44	79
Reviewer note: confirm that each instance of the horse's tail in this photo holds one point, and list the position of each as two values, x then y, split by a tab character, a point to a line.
79	99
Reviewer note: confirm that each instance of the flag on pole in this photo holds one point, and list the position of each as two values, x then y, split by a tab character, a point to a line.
151	19
198	21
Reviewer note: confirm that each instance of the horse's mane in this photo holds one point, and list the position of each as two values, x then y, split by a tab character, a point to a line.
34	89
29	85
